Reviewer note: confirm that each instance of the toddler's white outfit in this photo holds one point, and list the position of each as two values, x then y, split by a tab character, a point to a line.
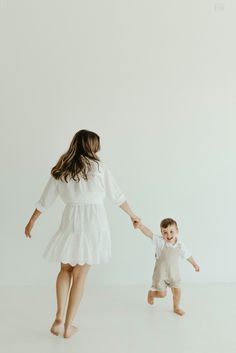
84	235
166	272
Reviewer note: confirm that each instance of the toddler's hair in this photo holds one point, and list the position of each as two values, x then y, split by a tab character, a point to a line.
168	222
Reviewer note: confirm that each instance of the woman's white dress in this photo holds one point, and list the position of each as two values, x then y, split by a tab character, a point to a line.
83	236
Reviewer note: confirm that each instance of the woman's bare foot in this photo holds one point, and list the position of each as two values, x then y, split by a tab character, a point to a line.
71	330
150	298
179	311
55	329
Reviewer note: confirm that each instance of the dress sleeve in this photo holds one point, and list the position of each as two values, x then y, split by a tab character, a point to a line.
112	188
48	196
185	254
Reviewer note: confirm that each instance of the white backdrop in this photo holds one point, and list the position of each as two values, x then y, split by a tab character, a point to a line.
156	79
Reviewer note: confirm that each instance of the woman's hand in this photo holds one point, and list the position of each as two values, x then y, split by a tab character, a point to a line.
28	229
31	222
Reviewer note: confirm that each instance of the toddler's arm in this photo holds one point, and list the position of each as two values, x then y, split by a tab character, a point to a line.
193	262
145	230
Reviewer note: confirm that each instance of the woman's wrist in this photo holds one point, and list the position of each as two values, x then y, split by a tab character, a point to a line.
35	216
132	215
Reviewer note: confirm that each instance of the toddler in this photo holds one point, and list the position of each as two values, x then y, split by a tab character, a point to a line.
166	272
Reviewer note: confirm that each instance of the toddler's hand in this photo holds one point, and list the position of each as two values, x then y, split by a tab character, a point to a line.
197	268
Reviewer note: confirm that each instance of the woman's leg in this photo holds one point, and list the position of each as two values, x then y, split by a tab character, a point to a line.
79	274
176	300
62	290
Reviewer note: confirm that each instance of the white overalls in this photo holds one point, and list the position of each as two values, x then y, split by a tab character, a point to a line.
166	272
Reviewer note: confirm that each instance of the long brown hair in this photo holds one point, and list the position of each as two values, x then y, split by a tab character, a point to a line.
76	162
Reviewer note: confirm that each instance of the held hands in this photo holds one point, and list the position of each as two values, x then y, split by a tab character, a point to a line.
137	225
136	221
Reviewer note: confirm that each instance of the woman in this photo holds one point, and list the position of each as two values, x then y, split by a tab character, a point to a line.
83	238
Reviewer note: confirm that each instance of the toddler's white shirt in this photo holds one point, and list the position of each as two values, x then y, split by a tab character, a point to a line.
159	243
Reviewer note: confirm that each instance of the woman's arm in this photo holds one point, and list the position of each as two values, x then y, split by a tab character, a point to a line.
125	207
47	198
31	222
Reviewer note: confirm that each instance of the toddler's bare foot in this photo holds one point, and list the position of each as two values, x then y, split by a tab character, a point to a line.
55	329
71	330
150	298
179	311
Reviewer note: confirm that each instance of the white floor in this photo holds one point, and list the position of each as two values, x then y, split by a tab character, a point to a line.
118	320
